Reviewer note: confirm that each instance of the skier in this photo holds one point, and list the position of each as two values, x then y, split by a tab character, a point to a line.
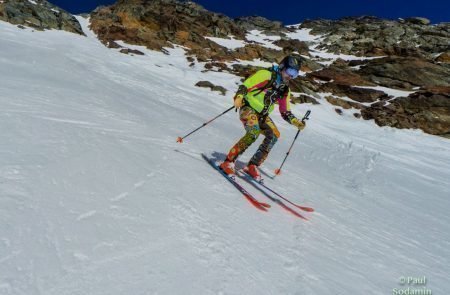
255	100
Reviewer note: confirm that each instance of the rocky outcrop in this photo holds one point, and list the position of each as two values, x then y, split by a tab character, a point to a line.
428	110
161	23
207	84
220	66
259	23
131	51
405	73
302	98
444	57
364	95
38	14
341	76
371	36
290	46
306	86
253	51
417	20
345	104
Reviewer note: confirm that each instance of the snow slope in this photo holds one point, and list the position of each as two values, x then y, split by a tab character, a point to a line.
96	197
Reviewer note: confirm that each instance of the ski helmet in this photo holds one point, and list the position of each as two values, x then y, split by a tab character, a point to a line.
291	65
291	62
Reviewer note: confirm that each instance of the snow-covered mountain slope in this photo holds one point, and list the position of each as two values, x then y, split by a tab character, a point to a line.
96	196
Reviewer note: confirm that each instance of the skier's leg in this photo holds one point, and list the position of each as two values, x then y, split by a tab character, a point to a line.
249	119
271	134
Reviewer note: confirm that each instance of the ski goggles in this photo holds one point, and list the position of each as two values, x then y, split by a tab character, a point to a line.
293	73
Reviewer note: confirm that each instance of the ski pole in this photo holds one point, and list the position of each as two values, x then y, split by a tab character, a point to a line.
180	139
305	117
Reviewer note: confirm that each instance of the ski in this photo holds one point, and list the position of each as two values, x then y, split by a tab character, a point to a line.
261	183
259	205
256	184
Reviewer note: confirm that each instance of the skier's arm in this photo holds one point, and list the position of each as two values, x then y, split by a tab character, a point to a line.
239	96
285	108
286	114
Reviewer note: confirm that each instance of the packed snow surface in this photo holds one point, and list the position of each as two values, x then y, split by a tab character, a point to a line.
262	39
96	196
304	35
230	43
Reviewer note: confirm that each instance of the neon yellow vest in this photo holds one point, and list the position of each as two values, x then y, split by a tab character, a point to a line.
254	96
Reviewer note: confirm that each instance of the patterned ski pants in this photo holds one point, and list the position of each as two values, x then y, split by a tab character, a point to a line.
254	126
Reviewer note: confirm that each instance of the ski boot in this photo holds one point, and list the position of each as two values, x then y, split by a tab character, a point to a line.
253	171
228	167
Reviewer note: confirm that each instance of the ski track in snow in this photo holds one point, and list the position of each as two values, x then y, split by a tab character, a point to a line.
96	197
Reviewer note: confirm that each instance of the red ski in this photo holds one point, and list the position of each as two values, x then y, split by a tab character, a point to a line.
255	183
259	205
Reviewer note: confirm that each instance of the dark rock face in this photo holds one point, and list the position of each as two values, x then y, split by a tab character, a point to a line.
158	23
355	93
304	99
371	36
131	51
290	46
344	103
428	110
260	23
405	73
161	23
218	65
207	84
444	57
307	87
418	20
340	76
38	14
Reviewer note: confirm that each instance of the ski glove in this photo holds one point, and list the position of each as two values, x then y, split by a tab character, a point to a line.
239	96
238	101
299	124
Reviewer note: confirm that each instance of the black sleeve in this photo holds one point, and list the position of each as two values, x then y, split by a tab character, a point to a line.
242	90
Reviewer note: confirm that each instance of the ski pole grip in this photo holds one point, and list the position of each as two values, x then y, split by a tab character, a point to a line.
306	116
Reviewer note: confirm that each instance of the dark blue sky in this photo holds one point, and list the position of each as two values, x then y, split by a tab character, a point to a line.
294	11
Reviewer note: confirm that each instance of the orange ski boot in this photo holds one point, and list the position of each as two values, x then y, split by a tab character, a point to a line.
253	171
228	167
